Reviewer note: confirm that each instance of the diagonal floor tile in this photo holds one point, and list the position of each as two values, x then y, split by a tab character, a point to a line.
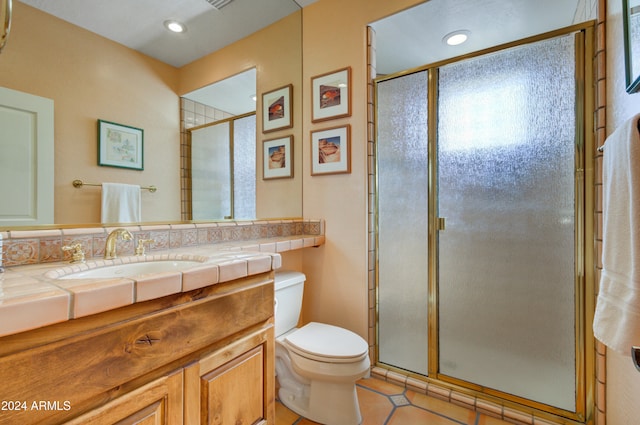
375	408
414	415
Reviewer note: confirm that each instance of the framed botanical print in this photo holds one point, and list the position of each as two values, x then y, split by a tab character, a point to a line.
120	145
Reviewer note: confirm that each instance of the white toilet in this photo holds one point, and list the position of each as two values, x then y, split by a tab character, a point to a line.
317	365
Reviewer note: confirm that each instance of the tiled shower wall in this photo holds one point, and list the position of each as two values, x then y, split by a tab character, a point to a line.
192	114
600	129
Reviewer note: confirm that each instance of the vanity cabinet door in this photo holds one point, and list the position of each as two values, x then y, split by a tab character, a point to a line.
234	385
156	403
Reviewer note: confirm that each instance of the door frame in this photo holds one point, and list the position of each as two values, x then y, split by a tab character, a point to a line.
585	255
34	177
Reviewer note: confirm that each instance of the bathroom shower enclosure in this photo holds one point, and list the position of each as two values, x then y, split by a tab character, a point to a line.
480	171
223	174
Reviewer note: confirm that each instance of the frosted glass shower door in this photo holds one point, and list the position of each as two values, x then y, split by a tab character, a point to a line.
223	172
211	172
244	168
402	222
506	186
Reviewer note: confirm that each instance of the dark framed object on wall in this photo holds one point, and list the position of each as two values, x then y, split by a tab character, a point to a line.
277	158
331	95
631	25
276	109
120	145
331	151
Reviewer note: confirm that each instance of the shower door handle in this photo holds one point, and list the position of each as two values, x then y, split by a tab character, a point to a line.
440	223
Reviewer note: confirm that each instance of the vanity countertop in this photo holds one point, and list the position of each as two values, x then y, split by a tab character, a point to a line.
33	296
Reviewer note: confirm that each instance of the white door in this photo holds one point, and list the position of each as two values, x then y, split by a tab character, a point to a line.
26	159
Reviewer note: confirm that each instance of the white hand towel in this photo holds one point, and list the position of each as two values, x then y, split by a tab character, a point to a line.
617	318
121	203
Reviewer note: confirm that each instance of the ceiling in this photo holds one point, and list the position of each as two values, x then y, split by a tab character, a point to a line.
413	37
138	24
234	95
405	40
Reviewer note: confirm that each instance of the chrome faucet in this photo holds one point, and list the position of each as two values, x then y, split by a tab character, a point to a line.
110	246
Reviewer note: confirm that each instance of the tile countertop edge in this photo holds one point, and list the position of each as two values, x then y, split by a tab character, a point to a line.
31	297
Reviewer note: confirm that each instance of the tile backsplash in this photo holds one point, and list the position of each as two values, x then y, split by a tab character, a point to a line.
23	247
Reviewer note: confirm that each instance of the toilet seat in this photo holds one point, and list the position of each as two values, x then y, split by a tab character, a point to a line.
327	343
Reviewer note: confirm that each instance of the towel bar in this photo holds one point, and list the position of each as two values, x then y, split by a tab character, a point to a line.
601	148
79	183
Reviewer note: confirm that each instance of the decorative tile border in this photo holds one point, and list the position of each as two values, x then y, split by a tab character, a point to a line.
465	400
25	247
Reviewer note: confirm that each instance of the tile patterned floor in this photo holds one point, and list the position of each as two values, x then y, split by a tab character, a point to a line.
382	403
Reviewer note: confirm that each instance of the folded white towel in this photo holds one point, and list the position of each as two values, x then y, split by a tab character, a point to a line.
121	203
617	318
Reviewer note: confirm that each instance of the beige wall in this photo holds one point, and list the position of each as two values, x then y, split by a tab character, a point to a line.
623	380
334	36
90	78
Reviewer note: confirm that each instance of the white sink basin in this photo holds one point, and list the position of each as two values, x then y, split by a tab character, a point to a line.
133	269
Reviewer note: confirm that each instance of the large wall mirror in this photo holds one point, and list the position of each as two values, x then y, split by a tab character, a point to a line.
246	70
631	18
89	78
220	171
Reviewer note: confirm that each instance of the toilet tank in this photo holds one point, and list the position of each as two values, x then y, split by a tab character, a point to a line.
289	286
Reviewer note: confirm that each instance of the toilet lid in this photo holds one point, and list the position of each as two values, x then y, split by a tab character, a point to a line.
326	341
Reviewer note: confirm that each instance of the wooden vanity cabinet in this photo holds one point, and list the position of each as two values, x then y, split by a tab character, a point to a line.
200	357
159	402
233	385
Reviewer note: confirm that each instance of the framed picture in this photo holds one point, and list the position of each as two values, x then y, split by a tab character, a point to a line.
276	109
331	95
631	29
331	151
120	145
278	158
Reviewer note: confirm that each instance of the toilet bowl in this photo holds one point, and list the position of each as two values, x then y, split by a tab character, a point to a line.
318	364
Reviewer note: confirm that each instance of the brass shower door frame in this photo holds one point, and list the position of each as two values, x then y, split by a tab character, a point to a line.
231	121
584	286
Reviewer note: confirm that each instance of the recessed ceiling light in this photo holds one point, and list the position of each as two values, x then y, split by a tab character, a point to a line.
456	37
175	26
